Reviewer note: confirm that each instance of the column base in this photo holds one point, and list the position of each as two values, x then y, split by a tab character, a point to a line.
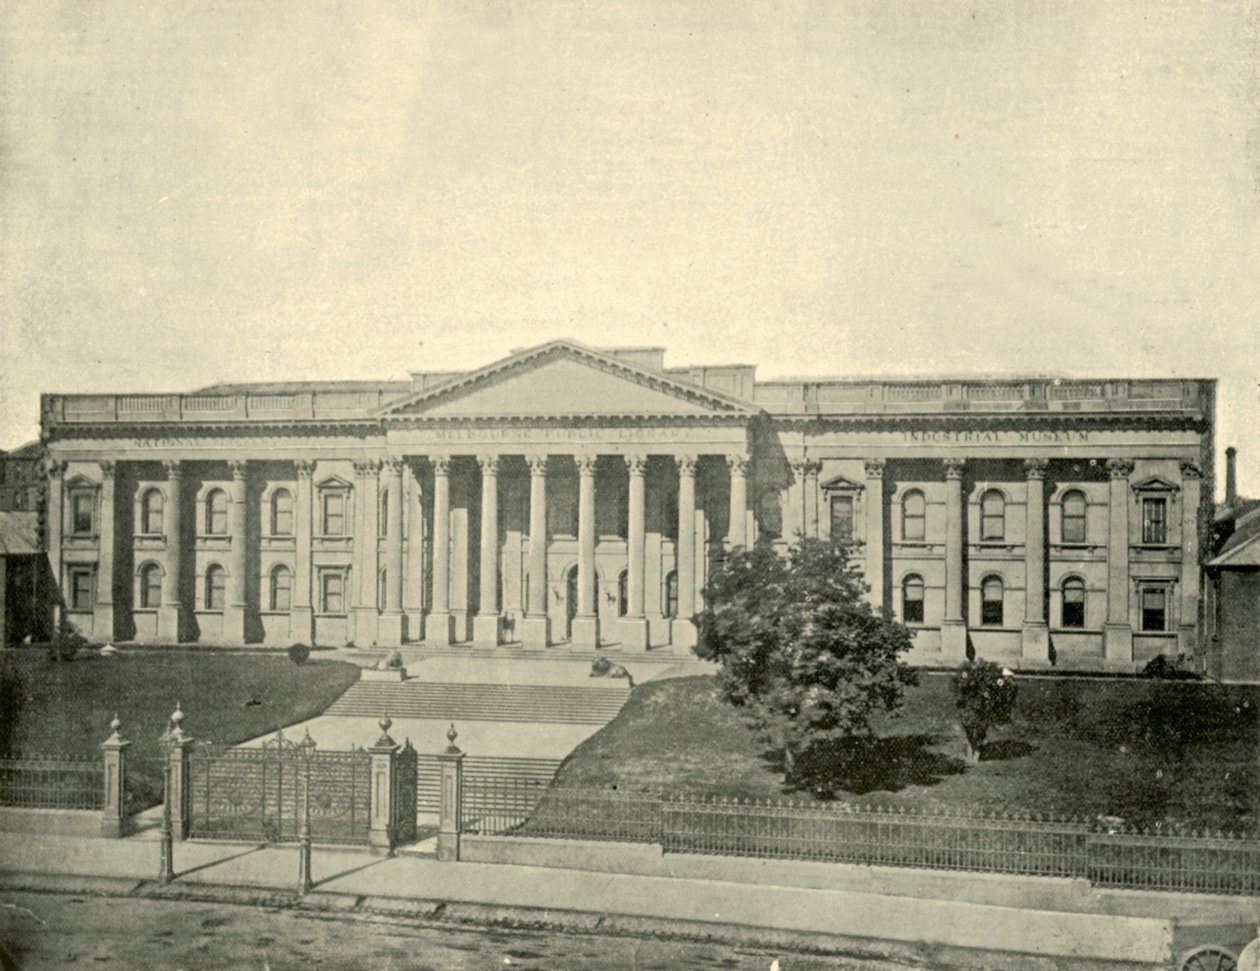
535	633
1035	641
366	621
103	622
634	633
391	630
584	634
169	627
439	628
1117	642
302	625
683	633
953	640
233	625
487	630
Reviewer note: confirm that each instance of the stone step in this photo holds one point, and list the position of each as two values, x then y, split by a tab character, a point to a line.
552	704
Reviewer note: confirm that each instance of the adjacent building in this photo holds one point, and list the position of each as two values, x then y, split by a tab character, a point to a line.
567	496
1231	648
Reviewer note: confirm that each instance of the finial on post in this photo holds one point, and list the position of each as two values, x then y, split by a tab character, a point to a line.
115	727
384	741
451	735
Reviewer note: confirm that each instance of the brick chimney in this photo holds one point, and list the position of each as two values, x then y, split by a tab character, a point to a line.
1231	476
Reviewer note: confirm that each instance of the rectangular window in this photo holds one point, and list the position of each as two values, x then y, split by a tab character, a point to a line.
334	514
81	513
842	518
332	590
81	588
1154	609
1155	521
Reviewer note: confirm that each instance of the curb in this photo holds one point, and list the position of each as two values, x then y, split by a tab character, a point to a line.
434	912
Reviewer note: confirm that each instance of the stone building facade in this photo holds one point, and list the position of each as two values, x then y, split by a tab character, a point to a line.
1035	520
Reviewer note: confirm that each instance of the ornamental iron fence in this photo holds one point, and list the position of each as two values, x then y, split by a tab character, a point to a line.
48	782
1106	853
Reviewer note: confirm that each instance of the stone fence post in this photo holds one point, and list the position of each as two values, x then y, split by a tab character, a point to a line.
451	804
383	792
114	818
178	747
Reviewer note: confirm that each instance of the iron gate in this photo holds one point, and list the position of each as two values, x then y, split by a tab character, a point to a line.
257	793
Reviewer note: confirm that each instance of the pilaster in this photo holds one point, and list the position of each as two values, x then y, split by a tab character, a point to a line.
392	629
301	614
953	625
536	633
634	626
54	524
1035	632
584	631
170	614
736	531
438	625
1118	632
683	628
366	558
487	629
1188	624
103	609
237	586
875	533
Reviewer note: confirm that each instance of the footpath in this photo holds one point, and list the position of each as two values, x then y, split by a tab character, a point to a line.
951	921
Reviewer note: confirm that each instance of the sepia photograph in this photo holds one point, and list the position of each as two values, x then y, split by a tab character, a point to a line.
630	484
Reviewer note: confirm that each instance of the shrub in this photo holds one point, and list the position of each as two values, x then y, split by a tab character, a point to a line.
985	697
1170	669
298	653
66	643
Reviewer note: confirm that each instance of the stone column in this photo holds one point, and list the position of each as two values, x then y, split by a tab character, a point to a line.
1035	633
450	800
683	628
366	553
54	525
301	615
393	622
794	503
1188	621
413	590
381	796
634	626
537	627
170	615
953	626
237	588
1118	632
114	819
810	487
103	609
486	625
585	631
875	533
438	625
736	530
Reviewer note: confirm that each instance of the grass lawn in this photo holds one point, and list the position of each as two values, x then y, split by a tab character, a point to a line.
63	708
1142	750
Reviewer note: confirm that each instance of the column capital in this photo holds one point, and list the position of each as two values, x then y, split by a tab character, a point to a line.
739	463
239	467
1190	470
393	464
365	468
954	468
1036	468
874	468
108	468
441	464
1120	468
174	468
55	468
537	464
305	468
636	464
686	464
489	464
585	463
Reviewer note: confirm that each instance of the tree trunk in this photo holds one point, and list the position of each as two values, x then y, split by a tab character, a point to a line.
971	753
789	763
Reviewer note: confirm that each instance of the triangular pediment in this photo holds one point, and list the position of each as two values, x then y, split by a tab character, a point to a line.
1154	483
564	380
332	482
80	481
840	484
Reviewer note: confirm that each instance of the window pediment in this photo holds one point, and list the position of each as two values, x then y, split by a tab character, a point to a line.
1155	483
80	482
333	482
839	483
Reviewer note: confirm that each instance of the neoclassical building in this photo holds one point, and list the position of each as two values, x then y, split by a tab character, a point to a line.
566	497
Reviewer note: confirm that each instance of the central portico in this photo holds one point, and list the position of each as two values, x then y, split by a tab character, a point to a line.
571	496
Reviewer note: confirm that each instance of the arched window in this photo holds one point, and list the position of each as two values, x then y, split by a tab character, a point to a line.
215	584
671	595
623	595
913	517
1074	517
282	513
281	593
912	599
991	602
150	586
152	506
216	513
992	516
1073	602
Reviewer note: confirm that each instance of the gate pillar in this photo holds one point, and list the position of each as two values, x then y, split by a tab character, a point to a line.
178	747
450	805
383	793
114	815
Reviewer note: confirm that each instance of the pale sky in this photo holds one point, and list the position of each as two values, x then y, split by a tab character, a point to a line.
290	189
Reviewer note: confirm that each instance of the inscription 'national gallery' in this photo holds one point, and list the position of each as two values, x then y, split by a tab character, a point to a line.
572	498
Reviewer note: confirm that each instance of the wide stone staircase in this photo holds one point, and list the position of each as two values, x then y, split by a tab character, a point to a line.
543	703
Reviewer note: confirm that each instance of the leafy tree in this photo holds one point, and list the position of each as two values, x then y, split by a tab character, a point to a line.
985	696
800	648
